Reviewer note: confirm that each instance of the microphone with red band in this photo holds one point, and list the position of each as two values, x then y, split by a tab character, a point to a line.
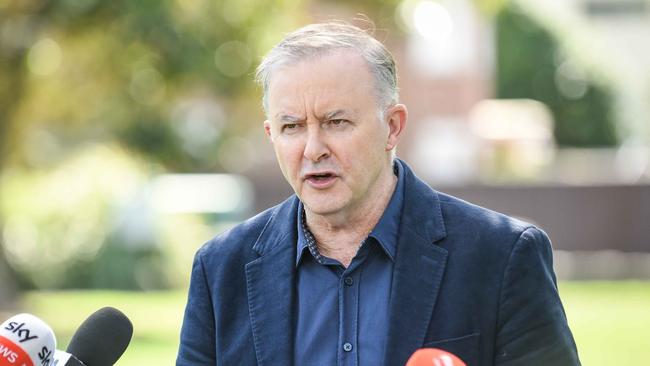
434	357
26	340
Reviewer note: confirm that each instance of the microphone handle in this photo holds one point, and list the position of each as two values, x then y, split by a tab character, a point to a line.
66	359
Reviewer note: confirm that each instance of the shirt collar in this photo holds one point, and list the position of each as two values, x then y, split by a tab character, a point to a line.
385	232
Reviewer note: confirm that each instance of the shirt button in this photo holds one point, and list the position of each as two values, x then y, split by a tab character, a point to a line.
349	281
347	347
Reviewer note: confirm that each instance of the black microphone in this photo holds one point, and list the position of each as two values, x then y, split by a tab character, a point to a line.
100	340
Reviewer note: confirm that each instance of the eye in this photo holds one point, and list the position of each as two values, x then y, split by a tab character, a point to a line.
289	127
337	122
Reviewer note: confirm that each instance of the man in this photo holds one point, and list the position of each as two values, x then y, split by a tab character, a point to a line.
365	263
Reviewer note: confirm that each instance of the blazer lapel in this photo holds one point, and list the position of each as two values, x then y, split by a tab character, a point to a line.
419	269
270	285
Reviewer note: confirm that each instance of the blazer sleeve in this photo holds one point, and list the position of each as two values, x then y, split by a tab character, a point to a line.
532	327
197	344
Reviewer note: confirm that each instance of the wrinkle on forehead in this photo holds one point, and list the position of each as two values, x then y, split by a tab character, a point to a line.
318	86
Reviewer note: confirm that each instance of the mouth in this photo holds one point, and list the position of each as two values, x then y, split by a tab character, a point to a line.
320	180
319	176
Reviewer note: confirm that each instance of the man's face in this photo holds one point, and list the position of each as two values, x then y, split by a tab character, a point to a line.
329	141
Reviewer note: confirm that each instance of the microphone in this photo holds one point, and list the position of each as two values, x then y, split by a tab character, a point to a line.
65	359
26	340
434	357
100	340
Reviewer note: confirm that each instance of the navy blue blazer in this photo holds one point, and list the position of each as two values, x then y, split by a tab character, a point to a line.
467	280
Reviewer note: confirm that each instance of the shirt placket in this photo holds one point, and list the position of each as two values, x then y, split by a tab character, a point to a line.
348	317
349	285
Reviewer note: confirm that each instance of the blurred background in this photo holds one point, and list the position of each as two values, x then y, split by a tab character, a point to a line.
131	133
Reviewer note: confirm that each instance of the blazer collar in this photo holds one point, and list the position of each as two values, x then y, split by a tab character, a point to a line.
270	287
422	212
280	229
418	272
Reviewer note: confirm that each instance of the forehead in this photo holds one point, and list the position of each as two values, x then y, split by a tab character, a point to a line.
340	79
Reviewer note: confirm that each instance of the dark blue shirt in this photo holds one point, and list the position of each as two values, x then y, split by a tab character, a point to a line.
342	313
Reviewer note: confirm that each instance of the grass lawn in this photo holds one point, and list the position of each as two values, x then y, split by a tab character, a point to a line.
610	320
156	318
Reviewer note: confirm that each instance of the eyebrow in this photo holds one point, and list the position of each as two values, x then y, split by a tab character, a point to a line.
293	119
334	114
287	118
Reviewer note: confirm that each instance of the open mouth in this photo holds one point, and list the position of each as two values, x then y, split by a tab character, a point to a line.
321	180
320	177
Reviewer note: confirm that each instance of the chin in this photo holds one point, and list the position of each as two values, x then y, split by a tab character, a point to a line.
322	209
322	205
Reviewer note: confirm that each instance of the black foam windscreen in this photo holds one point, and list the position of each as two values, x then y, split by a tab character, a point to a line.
102	338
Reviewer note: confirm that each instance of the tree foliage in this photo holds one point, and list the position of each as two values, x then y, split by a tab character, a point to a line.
83	70
163	79
530	64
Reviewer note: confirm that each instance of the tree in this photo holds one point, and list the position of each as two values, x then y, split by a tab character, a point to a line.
136	72
531	64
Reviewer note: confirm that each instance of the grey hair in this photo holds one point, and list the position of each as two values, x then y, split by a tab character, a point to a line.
318	39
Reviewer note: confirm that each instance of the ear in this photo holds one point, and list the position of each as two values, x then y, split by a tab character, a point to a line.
267	129
396	117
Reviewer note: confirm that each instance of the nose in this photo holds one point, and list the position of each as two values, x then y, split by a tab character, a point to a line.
315	148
